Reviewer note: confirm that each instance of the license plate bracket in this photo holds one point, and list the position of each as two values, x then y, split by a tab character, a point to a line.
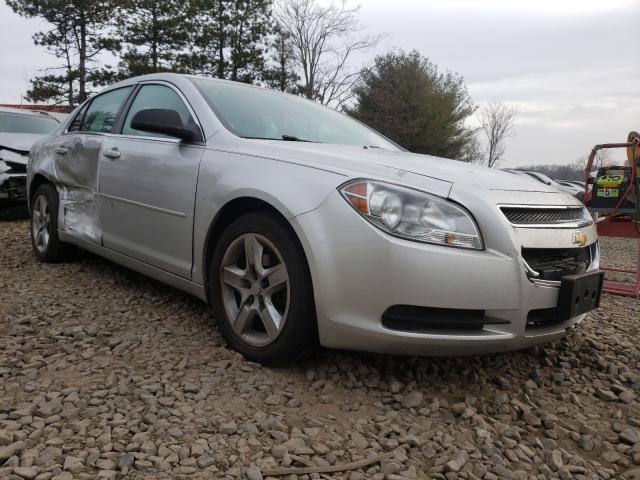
579	293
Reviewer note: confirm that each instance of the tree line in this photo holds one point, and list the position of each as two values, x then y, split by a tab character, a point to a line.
296	46
575	170
304	47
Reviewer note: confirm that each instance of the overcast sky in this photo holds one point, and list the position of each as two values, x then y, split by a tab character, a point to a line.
570	67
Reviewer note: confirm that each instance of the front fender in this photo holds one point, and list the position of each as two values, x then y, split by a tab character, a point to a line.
224	176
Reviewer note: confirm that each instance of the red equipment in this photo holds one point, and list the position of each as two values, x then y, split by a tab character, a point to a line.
620	222
611	227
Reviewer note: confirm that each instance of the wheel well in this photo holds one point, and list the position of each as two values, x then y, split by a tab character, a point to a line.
36	181
230	212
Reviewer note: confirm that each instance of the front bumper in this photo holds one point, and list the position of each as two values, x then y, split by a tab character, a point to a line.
359	272
13	186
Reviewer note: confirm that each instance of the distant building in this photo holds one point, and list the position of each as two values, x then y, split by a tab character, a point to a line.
58	111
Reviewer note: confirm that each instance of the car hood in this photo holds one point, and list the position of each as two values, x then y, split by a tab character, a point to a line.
15	146
362	162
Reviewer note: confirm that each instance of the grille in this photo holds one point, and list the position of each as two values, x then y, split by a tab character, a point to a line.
539	216
555	263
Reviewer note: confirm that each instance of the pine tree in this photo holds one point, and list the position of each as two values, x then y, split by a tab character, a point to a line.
281	74
57	84
229	38
76	38
405	97
152	35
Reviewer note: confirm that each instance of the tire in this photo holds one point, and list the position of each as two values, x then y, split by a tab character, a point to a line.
248	293
46	244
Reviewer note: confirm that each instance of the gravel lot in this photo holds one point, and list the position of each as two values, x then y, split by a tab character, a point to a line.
105	373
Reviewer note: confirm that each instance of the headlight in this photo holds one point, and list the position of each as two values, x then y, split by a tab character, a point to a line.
412	214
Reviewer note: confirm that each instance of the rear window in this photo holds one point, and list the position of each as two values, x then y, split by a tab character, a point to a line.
20	123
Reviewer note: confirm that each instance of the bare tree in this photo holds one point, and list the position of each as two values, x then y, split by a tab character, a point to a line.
601	159
571	171
472	152
496	123
322	41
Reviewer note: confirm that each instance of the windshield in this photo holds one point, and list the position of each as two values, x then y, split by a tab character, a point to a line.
22	123
252	112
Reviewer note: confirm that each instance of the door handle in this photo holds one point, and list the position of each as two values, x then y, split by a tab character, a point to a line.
113	153
61	150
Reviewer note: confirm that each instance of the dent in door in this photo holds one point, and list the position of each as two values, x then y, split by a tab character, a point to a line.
76	172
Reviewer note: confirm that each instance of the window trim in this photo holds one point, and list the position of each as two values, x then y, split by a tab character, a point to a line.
119	124
90	101
82	109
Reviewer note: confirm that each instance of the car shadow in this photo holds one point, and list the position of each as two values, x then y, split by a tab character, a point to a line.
495	368
400	367
11	211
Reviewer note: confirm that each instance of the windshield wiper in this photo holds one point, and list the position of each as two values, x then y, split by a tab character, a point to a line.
286	138
292	138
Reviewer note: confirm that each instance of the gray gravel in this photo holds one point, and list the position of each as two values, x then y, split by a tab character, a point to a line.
107	374
619	253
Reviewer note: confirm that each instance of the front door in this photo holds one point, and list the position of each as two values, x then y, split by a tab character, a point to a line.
147	187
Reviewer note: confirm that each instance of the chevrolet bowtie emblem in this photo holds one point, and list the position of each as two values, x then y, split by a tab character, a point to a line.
580	238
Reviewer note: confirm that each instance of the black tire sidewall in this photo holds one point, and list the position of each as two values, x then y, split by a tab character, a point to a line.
300	333
56	250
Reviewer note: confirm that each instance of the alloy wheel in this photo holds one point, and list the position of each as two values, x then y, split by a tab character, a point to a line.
255	289
41	223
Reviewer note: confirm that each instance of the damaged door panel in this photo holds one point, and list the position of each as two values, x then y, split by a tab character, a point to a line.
76	160
72	162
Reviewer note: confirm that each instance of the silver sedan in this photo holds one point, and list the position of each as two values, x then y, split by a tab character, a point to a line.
303	227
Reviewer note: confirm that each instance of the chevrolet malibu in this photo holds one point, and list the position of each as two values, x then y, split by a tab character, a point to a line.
303	227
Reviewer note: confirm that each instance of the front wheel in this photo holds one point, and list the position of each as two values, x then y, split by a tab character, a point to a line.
261	292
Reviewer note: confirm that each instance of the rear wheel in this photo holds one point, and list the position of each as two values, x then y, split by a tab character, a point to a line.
44	226
261	292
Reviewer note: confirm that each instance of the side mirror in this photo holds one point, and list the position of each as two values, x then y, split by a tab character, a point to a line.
161	120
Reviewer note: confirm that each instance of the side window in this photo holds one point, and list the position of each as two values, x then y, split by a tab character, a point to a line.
103	110
74	126
157	96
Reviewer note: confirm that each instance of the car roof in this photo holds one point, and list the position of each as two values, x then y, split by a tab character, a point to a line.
180	79
29	112
173	77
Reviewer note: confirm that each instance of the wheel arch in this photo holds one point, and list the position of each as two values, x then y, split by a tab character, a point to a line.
37	180
232	210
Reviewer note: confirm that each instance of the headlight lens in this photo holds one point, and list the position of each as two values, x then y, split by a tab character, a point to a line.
412	214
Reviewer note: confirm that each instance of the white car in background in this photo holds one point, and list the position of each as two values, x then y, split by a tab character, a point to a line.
19	130
542	178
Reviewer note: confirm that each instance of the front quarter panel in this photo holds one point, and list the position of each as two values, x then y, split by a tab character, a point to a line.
224	176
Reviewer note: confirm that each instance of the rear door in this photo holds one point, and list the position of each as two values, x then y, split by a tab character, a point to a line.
76	156
148	185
